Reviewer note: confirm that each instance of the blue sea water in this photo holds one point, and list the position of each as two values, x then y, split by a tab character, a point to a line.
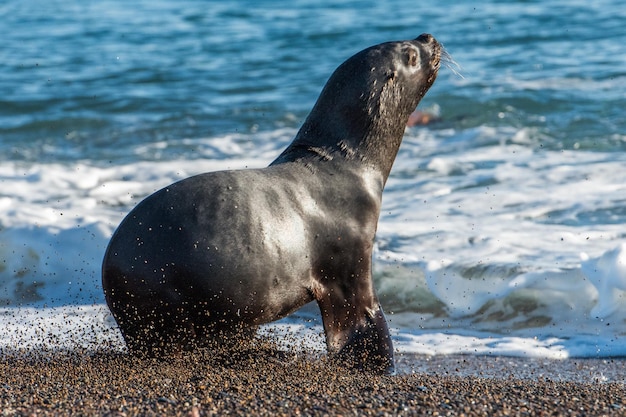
502	228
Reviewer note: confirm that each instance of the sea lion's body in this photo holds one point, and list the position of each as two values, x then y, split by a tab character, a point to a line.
218	253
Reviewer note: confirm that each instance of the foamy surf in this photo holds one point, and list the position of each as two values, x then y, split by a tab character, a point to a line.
478	249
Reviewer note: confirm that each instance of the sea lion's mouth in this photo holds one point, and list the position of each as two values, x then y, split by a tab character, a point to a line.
436	60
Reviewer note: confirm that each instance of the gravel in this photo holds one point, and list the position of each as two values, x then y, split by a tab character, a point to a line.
267	381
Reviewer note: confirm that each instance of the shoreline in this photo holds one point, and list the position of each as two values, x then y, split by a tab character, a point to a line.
272	382
574	370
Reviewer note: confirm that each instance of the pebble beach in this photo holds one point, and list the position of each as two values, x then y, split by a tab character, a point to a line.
270	382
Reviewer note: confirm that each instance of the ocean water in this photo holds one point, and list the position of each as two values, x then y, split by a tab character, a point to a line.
503	228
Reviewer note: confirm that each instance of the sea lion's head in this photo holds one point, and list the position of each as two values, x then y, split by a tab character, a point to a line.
363	109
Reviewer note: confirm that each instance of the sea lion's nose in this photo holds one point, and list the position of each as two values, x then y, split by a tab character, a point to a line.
425	38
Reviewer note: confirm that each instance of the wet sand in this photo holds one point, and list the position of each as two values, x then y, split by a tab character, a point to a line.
271	382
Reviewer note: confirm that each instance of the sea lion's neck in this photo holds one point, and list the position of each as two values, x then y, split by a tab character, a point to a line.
371	139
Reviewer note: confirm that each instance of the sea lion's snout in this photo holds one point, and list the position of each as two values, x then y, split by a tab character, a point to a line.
438	54
430	43
426	38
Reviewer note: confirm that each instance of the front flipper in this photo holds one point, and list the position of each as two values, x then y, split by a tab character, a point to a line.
358	335
369	345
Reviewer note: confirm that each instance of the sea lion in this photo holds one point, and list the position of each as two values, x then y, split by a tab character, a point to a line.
210	256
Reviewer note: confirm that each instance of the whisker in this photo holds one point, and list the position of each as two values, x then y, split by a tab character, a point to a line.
452	65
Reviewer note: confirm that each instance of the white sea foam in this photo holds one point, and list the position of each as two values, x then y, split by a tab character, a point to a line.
478	249
608	275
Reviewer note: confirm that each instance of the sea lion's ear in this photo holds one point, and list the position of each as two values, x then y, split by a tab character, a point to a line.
412	57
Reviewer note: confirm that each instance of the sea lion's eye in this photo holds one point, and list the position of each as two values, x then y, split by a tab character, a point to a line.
412	57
